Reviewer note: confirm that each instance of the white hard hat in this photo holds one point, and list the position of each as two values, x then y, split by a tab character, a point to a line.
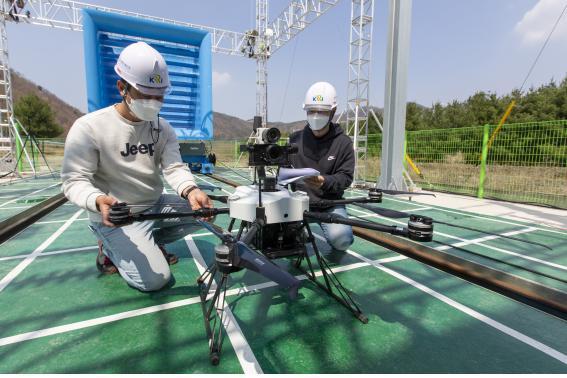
144	68
320	96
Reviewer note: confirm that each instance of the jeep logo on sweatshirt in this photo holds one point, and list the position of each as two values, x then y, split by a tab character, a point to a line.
141	148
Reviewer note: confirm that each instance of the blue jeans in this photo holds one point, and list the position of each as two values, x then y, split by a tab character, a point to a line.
339	236
134	248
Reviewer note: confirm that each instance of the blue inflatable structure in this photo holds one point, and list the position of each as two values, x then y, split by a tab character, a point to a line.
187	51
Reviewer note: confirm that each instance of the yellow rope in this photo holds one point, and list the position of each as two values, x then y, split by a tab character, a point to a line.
413	166
502	120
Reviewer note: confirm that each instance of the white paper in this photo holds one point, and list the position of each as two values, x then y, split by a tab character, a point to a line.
289	175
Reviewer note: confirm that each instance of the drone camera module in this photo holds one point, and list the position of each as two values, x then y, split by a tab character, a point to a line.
268	135
268	154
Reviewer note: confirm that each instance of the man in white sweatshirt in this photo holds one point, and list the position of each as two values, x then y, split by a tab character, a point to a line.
115	155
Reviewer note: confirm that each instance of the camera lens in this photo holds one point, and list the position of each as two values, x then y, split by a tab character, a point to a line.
271	135
274	153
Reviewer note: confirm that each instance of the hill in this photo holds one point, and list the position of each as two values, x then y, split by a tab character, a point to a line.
65	114
225	126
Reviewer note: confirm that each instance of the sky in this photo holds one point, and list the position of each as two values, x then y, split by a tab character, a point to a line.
458	47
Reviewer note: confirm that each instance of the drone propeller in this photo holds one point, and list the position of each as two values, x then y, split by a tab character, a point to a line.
399	192
400	214
372	189
245	257
374	196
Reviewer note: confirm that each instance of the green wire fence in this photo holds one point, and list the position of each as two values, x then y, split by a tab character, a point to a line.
526	163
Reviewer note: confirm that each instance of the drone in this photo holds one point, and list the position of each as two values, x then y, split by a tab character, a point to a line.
274	224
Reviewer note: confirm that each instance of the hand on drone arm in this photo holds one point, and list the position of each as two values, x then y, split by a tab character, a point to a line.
103	204
198	199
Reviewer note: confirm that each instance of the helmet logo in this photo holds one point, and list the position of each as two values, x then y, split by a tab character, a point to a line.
318	98
155	79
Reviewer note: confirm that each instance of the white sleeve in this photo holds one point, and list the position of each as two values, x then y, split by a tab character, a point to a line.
175	172
80	163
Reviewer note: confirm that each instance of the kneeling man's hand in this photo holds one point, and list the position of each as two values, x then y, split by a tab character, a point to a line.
103	204
200	200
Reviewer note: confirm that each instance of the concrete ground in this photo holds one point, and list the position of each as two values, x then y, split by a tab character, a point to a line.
545	216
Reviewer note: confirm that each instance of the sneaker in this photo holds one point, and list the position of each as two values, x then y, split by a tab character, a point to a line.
169	257
103	263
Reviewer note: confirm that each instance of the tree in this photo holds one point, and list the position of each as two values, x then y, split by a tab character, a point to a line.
37	117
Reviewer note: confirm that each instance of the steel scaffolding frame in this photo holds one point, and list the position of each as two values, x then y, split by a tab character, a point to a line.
358	100
259	44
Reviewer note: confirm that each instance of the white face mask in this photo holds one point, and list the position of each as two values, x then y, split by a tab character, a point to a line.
317	121
146	110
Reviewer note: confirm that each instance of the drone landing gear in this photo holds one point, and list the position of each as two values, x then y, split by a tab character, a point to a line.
214	308
232	255
270	242
332	285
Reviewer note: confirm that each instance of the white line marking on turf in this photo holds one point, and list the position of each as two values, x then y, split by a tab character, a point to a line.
476	241
15	207
29	259
29	194
245	355
148	310
81	249
60	221
93	322
416	209
486	238
467	310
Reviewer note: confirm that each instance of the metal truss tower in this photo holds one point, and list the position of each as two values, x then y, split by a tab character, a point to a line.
9	131
358	104
262	53
7	147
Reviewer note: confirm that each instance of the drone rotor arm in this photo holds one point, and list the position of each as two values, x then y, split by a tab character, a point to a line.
246	257
120	214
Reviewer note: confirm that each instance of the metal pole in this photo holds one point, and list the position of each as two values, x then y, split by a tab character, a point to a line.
397	57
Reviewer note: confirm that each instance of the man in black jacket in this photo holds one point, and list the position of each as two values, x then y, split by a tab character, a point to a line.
322	145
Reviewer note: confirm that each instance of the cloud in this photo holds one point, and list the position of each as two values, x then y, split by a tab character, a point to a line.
220	79
536	24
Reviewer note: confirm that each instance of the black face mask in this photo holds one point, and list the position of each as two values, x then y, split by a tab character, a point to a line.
316	148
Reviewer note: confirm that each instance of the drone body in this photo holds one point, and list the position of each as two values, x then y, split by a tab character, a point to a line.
281	205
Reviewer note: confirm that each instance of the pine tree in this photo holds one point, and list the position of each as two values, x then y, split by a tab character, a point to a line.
37	117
